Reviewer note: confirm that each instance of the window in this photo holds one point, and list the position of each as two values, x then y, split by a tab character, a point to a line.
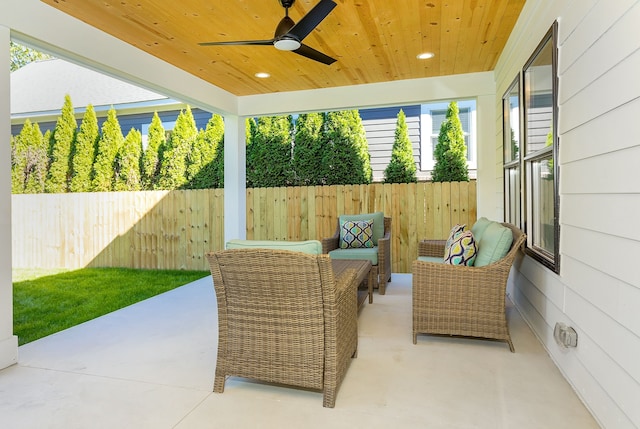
511	149
432	116
531	166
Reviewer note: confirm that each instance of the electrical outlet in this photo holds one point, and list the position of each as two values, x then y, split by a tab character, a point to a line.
565	335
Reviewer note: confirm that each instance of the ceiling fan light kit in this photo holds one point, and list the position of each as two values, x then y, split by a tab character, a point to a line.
289	35
286	44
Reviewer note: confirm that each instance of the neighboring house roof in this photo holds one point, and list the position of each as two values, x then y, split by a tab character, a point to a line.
38	90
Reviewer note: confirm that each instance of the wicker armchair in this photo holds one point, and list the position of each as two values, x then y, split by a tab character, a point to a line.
283	318
382	271
460	300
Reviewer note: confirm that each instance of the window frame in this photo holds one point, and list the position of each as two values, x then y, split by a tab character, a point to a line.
528	159
512	163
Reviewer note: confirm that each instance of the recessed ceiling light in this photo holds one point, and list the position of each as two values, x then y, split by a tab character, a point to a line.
425	55
262	75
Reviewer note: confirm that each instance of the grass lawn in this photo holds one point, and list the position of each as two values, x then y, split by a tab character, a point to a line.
48	301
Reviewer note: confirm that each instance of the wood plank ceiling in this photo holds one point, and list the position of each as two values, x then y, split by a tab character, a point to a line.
372	40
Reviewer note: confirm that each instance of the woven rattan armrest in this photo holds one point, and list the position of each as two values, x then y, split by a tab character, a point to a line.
331	243
434	248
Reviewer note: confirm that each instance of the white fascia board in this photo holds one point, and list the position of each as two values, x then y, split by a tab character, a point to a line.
410	91
46	28
101	110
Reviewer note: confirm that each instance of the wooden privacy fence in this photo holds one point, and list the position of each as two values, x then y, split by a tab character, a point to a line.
174	229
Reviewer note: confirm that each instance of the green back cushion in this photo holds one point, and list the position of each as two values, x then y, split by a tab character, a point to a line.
479	227
494	245
378	223
312	247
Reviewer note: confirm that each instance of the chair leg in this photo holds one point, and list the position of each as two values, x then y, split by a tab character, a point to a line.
218	383
329	397
382	283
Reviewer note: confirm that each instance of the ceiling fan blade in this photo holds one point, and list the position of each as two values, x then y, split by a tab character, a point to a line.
312	19
309	52
239	42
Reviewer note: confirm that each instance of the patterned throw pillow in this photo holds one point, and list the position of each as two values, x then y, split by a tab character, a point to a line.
463	250
356	234
452	234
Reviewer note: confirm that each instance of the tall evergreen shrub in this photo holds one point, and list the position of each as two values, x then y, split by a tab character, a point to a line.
218	165
84	152
127	163
29	160
308	150
37	161
346	154
59	174
402	167
19	146
109	144
201	170
269	153
451	152
156	141
173	164
16	175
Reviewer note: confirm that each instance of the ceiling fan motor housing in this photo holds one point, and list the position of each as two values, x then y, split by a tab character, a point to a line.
287	3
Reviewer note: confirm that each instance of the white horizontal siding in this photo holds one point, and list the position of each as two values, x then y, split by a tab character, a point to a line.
585	211
609	132
611	356
598	289
607	253
617	86
605	25
613	172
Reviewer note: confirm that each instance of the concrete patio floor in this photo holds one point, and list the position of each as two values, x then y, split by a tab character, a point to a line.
151	365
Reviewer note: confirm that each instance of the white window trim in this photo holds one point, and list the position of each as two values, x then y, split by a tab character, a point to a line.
426	149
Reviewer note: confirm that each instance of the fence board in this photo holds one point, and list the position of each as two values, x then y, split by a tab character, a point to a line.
174	229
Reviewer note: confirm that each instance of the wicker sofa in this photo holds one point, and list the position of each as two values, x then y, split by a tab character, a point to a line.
461	300
283	318
380	255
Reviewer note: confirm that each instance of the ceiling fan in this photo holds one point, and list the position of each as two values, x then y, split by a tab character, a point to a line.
289	35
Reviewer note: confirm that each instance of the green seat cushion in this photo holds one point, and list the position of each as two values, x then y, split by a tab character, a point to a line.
312	247
431	259
494	244
378	223
479	227
367	254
